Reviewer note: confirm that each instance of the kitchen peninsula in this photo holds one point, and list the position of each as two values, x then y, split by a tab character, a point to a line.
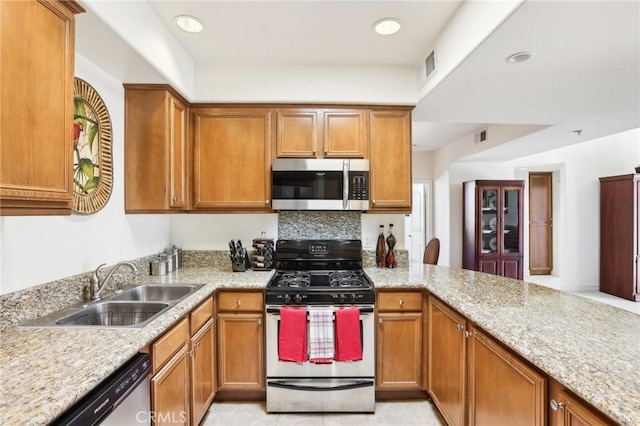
591	348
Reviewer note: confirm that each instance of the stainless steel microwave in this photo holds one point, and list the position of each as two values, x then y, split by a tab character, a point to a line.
320	184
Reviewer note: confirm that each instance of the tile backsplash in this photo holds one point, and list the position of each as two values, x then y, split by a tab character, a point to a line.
319	225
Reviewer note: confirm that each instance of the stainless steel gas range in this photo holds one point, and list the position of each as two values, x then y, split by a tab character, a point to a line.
315	278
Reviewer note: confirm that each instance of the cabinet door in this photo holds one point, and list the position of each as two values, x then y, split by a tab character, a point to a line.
447	355
502	388
489	238
510	218
511	268
177	154
345	133
170	391
240	352
232	159
36	92
390	160
298	133
399	351
202	371
567	410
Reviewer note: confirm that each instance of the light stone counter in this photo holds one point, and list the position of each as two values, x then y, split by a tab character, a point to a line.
590	347
44	371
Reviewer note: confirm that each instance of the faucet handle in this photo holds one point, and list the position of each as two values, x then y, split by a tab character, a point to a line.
95	279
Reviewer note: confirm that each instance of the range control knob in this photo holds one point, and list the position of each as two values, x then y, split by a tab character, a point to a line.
287	298
342	297
353	298
297	298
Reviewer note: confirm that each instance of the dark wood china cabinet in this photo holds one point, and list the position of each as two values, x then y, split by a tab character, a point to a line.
492	227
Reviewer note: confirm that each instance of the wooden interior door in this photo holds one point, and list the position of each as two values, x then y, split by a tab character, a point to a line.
540	224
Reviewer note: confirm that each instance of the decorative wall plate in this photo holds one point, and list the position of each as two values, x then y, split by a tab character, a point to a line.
92	159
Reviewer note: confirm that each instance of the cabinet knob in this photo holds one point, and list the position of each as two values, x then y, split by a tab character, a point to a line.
313	152
555	405
267	202
468	334
197	345
401	302
459	327
373	202
190	353
174	199
238	302
380	320
326	152
259	321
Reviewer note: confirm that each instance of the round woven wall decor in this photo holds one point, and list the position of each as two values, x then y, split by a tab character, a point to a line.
92	159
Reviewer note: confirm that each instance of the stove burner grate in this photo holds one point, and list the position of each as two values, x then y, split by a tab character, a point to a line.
295	279
345	279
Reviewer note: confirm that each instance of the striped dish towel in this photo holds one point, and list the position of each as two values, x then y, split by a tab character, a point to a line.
321	349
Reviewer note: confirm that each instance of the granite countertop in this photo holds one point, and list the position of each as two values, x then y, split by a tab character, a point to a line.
592	348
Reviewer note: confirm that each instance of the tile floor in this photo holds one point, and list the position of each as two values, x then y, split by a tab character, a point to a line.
397	413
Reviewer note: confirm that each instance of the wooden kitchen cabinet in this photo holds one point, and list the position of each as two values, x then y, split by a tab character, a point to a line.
240	343
232	159
502	389
36	91
399	337
475	380
170	384
390	160
620	236
156	149
321	133
492	227
447	361
202	366
566	409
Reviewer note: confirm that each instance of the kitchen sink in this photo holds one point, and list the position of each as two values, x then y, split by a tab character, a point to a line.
133	308
156	292
115	314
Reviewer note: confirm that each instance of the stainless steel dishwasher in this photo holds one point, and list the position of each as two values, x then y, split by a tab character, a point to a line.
123	398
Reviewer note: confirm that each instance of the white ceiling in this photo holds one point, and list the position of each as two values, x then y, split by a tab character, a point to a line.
584	74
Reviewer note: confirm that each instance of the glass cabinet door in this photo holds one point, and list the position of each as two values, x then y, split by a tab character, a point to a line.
510	223
489	221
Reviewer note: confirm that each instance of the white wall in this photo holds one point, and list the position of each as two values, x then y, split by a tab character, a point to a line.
39	249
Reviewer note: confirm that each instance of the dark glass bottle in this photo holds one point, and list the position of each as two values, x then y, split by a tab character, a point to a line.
381	249
391	242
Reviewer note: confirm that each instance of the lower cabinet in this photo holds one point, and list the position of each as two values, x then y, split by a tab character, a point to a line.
183	382
240	342
474	380
565	409
399	341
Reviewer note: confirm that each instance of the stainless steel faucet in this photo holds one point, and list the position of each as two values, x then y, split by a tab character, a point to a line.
96	285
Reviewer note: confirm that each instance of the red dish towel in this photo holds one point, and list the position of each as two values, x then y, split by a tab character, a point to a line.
292	340
348	342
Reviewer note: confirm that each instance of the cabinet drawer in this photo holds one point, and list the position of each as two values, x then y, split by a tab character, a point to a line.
400	301
201	314
169	343
240	301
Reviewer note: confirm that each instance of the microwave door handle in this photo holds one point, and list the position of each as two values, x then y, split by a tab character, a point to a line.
345	185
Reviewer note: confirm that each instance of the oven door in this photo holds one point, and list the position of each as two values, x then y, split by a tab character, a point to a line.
321	395
277	369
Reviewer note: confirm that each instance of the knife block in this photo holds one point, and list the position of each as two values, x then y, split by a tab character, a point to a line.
242	266
262	258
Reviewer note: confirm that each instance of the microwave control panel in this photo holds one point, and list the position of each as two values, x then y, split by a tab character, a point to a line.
358	185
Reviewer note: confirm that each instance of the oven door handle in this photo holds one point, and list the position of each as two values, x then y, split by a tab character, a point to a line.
276	311
355	385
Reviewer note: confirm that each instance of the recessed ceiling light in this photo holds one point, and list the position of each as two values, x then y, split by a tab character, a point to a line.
188	23
519	57
387	26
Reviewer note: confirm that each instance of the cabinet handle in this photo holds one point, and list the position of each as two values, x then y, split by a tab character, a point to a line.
459	327
267	202
238	303
556	405
380	320
401	302
326	152
190	353
197	345
468	334
259	321
175	199
313	152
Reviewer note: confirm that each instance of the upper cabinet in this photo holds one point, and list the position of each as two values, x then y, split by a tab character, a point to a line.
318	133
492	227
232	158
156	149
390	159
36	120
